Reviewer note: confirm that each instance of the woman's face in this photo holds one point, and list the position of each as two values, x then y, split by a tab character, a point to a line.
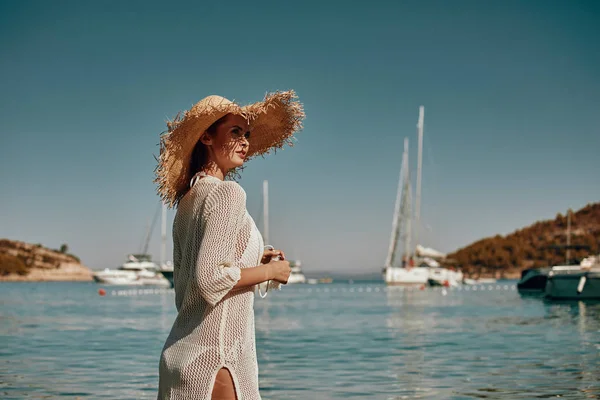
229	145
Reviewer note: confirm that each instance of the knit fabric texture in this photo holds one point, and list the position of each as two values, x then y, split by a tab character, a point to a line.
213	238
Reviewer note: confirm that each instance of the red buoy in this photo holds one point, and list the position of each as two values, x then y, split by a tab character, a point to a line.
101	292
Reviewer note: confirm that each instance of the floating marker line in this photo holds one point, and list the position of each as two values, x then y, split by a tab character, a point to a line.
333	289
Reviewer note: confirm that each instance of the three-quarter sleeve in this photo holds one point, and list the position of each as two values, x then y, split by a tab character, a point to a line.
216	271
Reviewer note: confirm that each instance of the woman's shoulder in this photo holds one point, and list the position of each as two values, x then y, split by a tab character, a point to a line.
227	190
216	192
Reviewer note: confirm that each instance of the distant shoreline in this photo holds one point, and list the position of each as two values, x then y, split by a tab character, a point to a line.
58	278
65	273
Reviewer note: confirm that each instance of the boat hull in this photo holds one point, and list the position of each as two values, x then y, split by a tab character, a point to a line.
131	278
406	276
533	280
573	285
444	277
169	276
116	280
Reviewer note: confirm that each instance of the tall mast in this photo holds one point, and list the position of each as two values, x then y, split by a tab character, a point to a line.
568	235
266	212
397	208
149	232
406	212
419	164
163	235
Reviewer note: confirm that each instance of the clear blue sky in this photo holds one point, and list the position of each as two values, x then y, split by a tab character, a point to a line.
511	91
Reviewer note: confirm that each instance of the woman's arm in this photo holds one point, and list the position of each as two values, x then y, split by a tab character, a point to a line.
253	276
274	270
216	271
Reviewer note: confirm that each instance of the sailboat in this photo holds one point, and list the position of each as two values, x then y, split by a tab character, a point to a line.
296	276
421	266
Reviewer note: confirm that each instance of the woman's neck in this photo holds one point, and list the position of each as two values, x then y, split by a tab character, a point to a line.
214	170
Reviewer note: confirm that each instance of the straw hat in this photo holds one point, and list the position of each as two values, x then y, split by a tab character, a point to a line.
272	122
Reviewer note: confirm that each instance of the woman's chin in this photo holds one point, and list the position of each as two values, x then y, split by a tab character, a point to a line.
237	162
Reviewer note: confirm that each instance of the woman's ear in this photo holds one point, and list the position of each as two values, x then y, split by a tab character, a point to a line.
206	139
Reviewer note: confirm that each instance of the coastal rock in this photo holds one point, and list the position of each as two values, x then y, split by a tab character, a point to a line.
20	261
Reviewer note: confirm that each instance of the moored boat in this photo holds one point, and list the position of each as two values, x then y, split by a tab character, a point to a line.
575	282
422	265
296	276
137	270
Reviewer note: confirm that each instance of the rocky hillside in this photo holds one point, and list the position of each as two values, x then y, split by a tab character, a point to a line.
21	261
534	246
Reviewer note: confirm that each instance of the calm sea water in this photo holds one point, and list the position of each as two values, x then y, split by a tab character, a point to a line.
332	341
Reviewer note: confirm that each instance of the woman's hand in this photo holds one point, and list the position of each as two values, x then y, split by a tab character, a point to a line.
279	271
269	254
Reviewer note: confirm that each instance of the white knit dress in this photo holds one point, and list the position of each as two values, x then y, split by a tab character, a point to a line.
214	237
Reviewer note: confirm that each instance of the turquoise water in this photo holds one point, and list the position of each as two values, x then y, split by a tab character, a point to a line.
334	341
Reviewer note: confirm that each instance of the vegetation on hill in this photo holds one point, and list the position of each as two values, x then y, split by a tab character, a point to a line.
10	264
538	245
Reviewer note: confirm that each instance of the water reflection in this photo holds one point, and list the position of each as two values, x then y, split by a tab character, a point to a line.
585	315
406	323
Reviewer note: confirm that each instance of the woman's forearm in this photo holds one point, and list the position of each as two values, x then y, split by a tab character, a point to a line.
253	276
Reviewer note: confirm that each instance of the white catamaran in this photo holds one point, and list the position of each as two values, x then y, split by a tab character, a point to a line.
421	266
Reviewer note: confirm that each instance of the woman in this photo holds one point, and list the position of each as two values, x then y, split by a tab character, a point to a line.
218	251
